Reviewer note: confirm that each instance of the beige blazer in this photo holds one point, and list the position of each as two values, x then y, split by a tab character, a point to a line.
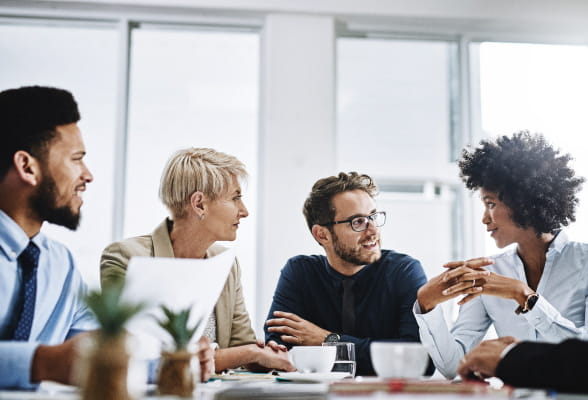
233	327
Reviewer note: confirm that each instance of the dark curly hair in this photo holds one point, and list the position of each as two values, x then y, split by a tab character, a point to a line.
28	117
318	208
531	177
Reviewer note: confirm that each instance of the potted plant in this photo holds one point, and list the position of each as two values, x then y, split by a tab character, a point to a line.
107	356
178	368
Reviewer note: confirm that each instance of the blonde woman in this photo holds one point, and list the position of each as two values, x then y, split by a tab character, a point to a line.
201	189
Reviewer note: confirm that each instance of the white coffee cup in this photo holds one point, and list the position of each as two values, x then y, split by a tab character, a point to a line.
399	359
313	358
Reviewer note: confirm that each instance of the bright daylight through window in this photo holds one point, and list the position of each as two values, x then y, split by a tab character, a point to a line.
542	88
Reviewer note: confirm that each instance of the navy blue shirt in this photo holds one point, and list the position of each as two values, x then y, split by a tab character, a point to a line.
385	292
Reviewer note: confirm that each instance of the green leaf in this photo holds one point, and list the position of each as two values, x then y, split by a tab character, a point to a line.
111	314
176	324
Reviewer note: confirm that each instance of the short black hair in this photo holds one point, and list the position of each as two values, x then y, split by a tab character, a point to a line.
318	208
531	177
28	117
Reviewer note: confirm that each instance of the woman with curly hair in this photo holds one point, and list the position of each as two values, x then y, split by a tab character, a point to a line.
538	290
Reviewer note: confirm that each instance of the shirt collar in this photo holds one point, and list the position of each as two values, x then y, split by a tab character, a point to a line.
340	277
13	240
559	242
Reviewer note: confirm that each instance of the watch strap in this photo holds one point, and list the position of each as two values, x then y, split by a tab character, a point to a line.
530	302
332	338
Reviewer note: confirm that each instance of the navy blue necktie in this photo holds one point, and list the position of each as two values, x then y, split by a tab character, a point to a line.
28	262
348	309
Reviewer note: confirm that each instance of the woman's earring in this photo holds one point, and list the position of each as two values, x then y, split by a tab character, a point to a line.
201	217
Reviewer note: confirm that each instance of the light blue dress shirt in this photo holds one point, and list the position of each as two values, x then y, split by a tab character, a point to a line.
560	312
59	308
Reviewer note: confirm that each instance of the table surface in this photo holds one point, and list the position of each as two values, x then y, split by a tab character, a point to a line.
269	389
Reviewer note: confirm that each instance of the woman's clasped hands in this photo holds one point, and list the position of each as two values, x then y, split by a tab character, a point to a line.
466	278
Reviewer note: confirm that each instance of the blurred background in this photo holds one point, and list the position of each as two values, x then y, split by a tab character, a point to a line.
299	90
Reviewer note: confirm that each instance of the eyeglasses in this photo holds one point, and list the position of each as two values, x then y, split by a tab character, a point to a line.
360	224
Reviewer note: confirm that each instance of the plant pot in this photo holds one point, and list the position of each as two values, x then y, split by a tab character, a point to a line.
178	373
106	368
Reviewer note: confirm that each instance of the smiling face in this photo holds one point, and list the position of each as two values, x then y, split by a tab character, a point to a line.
223	214
498	221
58	197
348	248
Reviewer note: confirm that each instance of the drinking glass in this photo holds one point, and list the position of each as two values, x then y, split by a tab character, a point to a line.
345	357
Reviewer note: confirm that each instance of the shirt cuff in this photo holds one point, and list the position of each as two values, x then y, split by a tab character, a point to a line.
542	315
507	349
416	309
16	359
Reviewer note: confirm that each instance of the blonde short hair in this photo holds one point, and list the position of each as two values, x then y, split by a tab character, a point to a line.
197	170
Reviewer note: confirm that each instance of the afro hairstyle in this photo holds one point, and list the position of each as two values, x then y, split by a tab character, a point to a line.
531	177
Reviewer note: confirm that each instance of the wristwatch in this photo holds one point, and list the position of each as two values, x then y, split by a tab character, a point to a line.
332	338
529	304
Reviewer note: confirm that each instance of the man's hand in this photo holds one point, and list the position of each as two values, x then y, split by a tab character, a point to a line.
206	358
296	330
481	362
55	363
272	344
461	278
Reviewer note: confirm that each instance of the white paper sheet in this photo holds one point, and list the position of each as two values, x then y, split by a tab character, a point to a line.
177	283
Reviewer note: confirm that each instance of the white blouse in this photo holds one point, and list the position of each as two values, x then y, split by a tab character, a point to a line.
559	313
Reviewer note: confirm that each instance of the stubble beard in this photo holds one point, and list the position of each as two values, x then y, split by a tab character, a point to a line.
352	255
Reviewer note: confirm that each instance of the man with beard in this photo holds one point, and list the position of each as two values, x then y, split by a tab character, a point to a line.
42	177
357	293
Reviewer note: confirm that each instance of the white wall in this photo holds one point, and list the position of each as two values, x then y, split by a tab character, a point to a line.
573	10
297	138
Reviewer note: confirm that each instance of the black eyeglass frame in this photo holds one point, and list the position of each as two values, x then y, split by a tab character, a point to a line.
371	218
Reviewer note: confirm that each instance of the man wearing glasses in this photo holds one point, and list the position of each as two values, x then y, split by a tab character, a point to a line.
357	293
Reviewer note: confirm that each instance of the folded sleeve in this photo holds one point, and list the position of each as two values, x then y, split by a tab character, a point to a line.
446	347
15	364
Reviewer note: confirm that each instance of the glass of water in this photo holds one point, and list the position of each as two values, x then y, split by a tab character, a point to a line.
345	357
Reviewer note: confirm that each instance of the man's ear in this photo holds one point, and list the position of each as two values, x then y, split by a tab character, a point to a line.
27	167
197	203
321	234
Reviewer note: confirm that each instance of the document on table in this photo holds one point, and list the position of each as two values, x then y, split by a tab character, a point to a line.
177	283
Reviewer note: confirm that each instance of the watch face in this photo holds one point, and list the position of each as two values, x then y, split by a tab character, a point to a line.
531	301
333	337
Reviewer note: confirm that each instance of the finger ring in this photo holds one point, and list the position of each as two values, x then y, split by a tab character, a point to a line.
473	283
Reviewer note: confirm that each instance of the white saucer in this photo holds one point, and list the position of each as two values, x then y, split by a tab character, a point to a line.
311	376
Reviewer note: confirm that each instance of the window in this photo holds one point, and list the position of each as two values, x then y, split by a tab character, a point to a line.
395	107
540	88
82	60
192	88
